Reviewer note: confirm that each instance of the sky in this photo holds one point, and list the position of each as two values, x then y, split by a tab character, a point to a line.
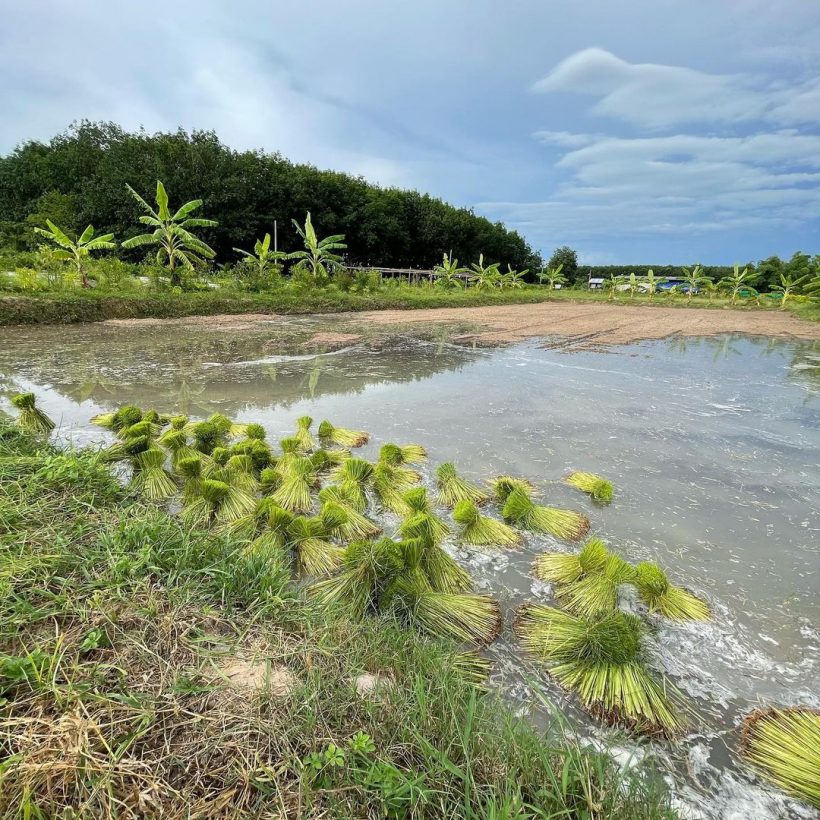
645	131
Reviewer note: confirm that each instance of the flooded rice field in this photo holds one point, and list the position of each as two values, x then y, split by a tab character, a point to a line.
713	445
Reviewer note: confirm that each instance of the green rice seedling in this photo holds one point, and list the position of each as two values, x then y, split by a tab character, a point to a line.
503	485
145	427
179	422
390	484
784	746
481	529
659	595
202	508
176	443
303	434
357	526
125	416
369	569
236	504
565	524
424	525
294	493
150	476
604	661
31	418
257	449
225	426
564	568
190	470
223	508
593	485
270	479
207	436
473	667
598	591
355	476
452	488
269	524
340	436
466	617
290	452
440	571
397	455
315	554
255	432
125	450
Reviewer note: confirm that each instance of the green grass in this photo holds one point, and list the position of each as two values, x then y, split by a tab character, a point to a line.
117	626
67	307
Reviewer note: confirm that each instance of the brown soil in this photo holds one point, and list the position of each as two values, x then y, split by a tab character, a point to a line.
332	341
255	674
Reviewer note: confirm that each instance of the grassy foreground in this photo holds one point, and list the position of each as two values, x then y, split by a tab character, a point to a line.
147	670
69	307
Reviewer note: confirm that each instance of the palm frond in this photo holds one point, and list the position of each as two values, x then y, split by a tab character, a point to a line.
481	529
452	488
341	436
597	487
784	746
659	595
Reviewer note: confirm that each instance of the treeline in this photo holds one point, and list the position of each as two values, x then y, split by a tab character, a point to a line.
79	177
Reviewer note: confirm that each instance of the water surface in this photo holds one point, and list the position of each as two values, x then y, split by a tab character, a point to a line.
713	445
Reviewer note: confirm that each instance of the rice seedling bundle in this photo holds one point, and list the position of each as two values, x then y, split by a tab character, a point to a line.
503	485
315	555
290	452
125	450
342	437
125	416
270	479
179	422
303	434
31	418
357	526
452	488
397	455
150	476
564	568
176	443
206	437
294	493
602	660
784	746
565	524
425	525
201	510
390	484
257	449
659	595
440	571
594	485
481	529
255	432
597	591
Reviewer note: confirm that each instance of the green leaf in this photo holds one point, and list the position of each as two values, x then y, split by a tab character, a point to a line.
162	202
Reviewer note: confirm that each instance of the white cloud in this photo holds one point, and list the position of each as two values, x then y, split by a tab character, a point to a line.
564	139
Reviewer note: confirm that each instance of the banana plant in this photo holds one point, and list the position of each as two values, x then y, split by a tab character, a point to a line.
318	257
552	276
788	287
485	276
76	252
737	282
177	245
632	283
652	283
612	286
512	278
448	274
693	279
262	257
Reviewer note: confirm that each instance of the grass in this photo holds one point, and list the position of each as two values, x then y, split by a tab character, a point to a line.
118	628
68	307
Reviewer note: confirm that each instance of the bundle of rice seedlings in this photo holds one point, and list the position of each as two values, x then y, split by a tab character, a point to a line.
225	426
255	432
257	449
354	476
235	505
565	524
294	493
440	571
464	617
270	524
270	479
503	485
357	527
303	434
564	568
659	595
125	416
481	529
784	746
150	476
341	437
179	422
190	469
397	455
390	484
598	591
603	660
202	508
315	554
595	486
31	418
206	436
290	452
472	667
425	525
176	443
452	488
142	428
125	450
369	569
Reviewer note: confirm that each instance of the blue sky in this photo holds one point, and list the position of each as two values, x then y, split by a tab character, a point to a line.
634	132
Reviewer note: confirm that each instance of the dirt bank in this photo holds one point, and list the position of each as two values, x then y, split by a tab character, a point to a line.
565	324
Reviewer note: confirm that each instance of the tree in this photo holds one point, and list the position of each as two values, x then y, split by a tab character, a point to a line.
693	279
78	251
448	273
737	282
567	259
177	245
318	257
789	285
552	276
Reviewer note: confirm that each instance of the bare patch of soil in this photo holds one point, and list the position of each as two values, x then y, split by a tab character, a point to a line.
329	340
257	674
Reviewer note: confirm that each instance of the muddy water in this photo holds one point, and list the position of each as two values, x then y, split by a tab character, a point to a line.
713	445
